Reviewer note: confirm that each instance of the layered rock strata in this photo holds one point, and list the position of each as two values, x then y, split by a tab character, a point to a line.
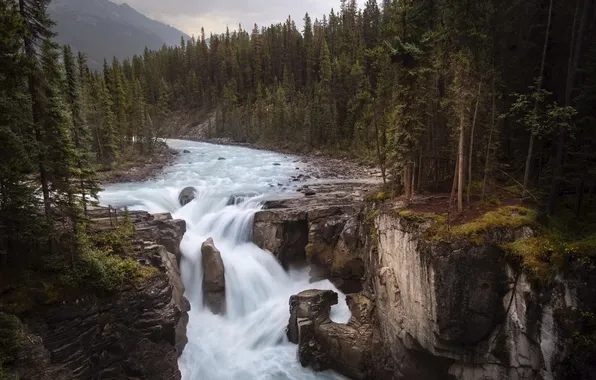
442	309
135	333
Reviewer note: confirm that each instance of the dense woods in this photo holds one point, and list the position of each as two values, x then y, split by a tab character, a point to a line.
60	123
484	90
443	95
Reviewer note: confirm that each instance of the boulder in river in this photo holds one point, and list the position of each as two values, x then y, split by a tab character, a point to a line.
237	199
221	159
186	195
186	151
324	344
214	280
276	164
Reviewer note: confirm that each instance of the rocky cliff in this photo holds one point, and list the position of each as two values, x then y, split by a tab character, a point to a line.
444	308
137	332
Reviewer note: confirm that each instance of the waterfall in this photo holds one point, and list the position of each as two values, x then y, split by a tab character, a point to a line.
249	341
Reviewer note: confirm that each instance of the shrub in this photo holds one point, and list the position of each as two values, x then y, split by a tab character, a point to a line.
11	339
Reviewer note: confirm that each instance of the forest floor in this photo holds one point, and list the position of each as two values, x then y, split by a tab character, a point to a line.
134	167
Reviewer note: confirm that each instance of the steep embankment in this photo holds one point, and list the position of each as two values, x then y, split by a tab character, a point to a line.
437	302
135	331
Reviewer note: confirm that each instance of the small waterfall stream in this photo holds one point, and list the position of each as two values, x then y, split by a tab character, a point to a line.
249	342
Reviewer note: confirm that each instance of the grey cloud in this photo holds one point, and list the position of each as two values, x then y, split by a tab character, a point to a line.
214	15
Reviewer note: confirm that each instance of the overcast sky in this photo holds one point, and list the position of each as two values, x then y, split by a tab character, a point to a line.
190	15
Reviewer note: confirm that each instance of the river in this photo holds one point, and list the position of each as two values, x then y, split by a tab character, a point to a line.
249	342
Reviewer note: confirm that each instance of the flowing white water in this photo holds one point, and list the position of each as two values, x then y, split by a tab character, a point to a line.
249	342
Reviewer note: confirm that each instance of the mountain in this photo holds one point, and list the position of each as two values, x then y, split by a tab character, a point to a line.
101	28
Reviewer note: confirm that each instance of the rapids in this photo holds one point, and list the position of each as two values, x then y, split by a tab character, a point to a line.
249	342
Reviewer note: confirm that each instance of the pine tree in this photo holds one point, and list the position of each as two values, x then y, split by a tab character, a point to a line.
21	228
81	136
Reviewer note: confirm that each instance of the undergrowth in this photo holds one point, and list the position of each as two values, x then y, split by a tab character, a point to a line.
102	265
11	339
552	245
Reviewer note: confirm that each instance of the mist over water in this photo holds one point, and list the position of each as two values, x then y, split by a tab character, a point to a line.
249	342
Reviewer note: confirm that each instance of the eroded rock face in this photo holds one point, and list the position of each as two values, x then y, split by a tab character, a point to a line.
187	195
165	231
443	310
321	232
323	344
214	280
464	305
136	333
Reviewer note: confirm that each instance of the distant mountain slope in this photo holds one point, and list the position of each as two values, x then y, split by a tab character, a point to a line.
101	28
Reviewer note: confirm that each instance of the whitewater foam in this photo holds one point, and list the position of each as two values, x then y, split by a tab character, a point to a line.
249	342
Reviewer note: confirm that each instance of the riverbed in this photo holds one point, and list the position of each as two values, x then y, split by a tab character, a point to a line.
249	342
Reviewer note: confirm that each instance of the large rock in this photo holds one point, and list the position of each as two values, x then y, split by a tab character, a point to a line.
323	233
187	195
214	280
137	332
323	344
164	231
240	198
464	307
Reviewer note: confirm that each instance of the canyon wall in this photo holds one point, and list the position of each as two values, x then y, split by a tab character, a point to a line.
450	309
135	333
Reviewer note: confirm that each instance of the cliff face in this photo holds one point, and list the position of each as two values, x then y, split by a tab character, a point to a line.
465	305
442	309
135	333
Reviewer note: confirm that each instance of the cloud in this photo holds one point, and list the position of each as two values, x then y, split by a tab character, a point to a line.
214	15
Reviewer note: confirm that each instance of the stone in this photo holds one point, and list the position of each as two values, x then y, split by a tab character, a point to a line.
187	195
214	280
164	231
221	159
137	332
276	164
309	192
237	199
323	344
186	151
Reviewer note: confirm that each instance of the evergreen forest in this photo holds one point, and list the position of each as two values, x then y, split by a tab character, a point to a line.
443	95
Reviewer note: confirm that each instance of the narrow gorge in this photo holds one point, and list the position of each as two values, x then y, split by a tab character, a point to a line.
267	269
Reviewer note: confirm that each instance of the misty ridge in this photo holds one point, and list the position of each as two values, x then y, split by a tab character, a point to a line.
103	29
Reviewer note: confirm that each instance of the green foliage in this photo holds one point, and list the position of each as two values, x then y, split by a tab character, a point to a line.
103	265
535	254
508	217
105	271
11	339
422	217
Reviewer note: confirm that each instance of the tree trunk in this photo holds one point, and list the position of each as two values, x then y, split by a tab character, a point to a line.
454	186
471	156
379	155
538	88
580	198
419	182
36	118
408	178
488	147
460	159
574	55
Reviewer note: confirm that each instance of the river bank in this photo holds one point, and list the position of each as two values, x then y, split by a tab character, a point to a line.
137	168
320	165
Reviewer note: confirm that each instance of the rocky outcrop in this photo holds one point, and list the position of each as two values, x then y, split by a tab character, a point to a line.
444	309
164	230
321	231
323	344
187	195
137	332
214	280
464	304
237	199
